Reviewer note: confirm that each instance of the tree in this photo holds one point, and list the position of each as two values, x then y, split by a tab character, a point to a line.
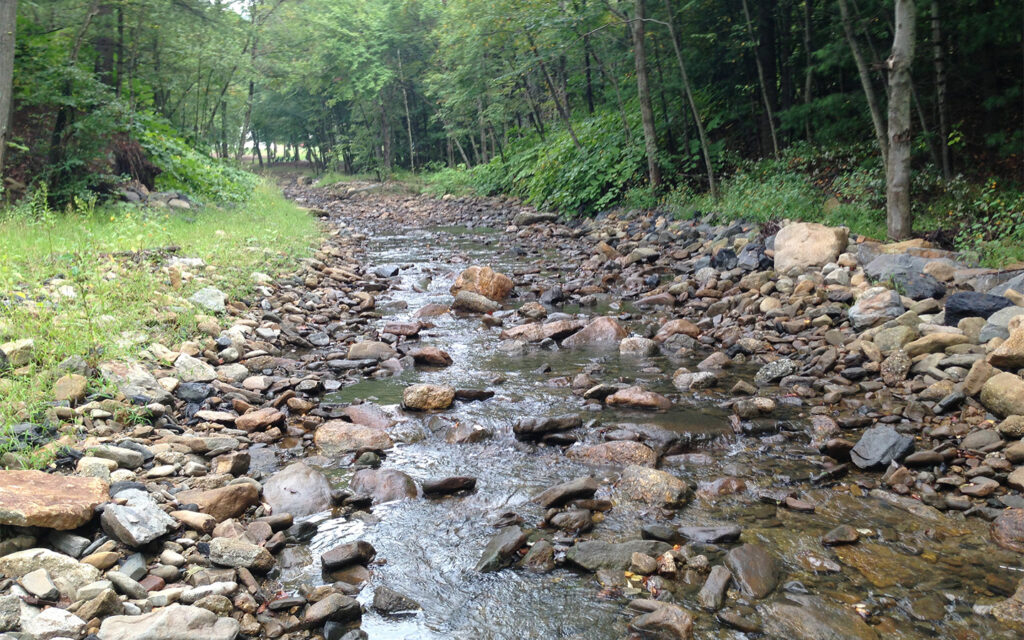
8	26
897	175
644	93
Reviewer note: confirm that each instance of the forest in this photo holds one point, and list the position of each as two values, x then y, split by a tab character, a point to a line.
853	111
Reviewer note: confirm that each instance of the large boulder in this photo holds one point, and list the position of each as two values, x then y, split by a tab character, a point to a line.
755	570
176	622
483	281
37	499
875	305
904	273
803	245
806	617
971	304
383	485
1003	395
138	521
601	332
299	490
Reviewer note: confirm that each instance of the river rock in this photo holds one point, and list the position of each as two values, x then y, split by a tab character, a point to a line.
428	397
70	388
636	346
894	338
388	601
594	555
191	369
18	353
383	485
176	622
134	381
774	371
369	414
499	552
755	570
223	503
536	332
806	617
536	427
895	367
802	245
474	303
431	356
971	304
934	343
676	327
51	624
873	306
209	299
711	535
137	522
299	490
1008	530
370	350
37	499
712	593
484	281
336	607
259	419
637	397
348	554
666	622
601	332
67	574
238	552
1010	354
1003	395
654	486
621	452
560	494
336	437
880	445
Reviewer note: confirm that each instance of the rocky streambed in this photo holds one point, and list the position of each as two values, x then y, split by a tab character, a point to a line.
465	419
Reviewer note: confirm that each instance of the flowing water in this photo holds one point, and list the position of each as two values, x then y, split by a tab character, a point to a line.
941	568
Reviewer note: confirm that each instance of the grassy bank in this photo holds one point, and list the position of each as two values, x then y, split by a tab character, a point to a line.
93	283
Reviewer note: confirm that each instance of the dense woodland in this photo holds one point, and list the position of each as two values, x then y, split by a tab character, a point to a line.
575	105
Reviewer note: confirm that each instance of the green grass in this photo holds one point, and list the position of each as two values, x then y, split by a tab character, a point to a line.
112	258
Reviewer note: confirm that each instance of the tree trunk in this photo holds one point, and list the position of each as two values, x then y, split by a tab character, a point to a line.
764	84
940	90
562	110
644	93
865	81
808	60
897	177
408	119
704	146
8	19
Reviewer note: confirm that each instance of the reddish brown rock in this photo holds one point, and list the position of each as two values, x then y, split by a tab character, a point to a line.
619	453
337	437
638	398
673	327
535	332
37	499
431	356
484	281
1008	530
259	419
600	332
370	415
223	503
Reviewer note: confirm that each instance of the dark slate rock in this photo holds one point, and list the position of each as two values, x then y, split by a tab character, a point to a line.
729	533
499	552
724	260
752	258
879	446
598	554
194	391
971	304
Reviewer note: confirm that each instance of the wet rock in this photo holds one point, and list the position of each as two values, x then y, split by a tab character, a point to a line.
665	622
176	622
621	452
882	566
37	499
336	607
483	281
775	371
755	570
676	327
466	432
971	304
536	428
237	552
654	486
577	520
1010	612
601	332
540	558
474	303
298	490
711	535
335	437
561	494
384	485
499	552
894	369
635	346
1003	395
1008	530
428	397
636	397
712	593
347	554
431	356
535	332
448	486
878	446
369	415
388	601
223	503
804	617
802	245
594	555
67	574
137	522
843	534
873	306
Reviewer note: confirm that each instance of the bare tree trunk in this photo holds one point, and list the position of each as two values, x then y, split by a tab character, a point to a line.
763	82
704	146
940	90
865	81
385	134
897	177
408	119
808	60
8	24
644	92
484	159
562	110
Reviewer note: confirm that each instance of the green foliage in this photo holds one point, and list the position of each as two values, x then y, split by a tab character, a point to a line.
188	170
